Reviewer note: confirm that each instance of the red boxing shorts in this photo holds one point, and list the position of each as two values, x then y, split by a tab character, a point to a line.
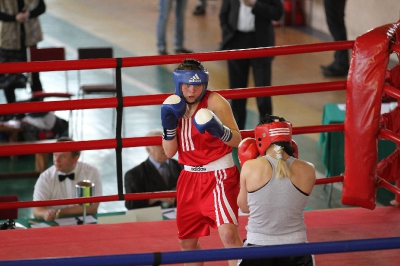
206	199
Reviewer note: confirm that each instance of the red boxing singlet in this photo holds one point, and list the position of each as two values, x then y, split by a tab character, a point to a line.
197	149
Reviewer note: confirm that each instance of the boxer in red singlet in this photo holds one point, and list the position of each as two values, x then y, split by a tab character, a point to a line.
199	125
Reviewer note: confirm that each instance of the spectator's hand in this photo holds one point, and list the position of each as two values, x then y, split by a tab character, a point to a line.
249	3
169	201
50	215
22	16
395	203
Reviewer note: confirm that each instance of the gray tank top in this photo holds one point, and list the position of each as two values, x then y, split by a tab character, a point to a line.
277	208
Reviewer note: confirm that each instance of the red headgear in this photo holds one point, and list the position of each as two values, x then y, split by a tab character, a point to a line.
266	134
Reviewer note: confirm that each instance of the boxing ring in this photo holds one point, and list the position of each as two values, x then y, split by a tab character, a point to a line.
369	81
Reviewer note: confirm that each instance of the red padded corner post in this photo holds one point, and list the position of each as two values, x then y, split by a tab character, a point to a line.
365	83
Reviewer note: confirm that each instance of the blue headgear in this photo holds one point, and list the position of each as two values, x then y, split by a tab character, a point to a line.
192	77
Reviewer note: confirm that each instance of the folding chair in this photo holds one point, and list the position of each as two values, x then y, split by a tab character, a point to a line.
50	54
99	88
9	214
105	88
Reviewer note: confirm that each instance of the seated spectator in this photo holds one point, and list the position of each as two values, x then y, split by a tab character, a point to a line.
149	177
40	126
58	182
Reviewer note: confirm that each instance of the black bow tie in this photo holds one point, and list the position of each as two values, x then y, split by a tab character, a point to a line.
70	176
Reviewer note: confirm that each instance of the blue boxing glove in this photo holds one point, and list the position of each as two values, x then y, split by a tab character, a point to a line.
206	120
172	109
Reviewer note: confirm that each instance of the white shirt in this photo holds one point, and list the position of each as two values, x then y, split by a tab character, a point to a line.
48	186
156	164
246	19
44	122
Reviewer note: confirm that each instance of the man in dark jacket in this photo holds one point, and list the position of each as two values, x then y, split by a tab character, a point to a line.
334	11
248	24
157	173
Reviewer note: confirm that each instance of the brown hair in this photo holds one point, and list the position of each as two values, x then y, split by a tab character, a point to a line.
66	139
191	64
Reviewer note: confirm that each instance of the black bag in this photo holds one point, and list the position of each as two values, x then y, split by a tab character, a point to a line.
16	80
60	128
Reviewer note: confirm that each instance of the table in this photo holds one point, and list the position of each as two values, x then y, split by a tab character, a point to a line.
27	222
12	128
332	143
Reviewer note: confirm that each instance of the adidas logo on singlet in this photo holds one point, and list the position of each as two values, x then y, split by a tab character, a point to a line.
198	169
195	78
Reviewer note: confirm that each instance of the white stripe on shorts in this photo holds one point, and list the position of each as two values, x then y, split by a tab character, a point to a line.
220	199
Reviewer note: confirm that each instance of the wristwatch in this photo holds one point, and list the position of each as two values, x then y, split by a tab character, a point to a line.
58	213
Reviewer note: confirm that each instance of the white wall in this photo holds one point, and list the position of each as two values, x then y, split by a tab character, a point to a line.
360	15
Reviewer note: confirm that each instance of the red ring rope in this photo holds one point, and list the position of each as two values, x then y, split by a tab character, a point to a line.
16	149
